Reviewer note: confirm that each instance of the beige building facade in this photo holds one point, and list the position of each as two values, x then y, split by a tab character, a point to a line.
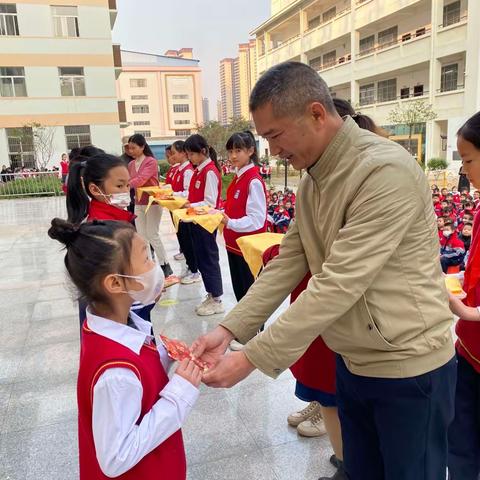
58	69
162	94
381	53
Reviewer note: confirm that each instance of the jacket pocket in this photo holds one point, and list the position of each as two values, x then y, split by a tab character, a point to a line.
374	329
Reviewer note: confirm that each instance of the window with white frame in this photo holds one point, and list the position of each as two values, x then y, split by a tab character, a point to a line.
388	37
451	13
72	81
314	22
182	96
139	97
8	19
65	21
316	63
367	44
329	14
140	109
78	136
329	59
145	133
12	82
143	123
21	149
182	133
367	94
181	122
449	78
181	108
138	82
387	90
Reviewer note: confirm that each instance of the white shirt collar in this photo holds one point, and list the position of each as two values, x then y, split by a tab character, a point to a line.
183	165
120	333
204	164
244	169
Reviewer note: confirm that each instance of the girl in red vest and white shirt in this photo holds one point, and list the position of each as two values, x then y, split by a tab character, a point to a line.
143	171
245	209
205	189
173	165
130	413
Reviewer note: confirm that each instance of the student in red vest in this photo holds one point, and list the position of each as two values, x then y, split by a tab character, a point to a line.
129	412
181	186
245	209
464	433
205	189
173	165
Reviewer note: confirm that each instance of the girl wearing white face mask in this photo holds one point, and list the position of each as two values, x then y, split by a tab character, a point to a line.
129	412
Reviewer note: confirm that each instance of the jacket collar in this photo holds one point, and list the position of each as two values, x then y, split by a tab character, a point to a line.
204	164
340	143
104	211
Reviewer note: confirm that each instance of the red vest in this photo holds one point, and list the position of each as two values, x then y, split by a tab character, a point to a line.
179	176
196	192
236	207
170	174
105	211
97	354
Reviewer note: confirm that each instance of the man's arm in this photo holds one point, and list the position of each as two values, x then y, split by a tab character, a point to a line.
273	285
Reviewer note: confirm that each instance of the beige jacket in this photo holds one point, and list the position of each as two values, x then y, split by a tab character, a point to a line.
366	229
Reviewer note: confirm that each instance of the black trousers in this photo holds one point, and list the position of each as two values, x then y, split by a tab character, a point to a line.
242	278
208	259
185	240
464	432
396	428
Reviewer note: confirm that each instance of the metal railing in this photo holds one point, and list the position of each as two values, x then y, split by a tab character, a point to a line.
375	100
30	184
461	19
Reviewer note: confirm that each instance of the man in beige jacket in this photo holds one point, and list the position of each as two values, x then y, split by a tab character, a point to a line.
366	230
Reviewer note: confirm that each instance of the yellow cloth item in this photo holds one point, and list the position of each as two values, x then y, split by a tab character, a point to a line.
208	221
175	204
162	188
454	286
254	246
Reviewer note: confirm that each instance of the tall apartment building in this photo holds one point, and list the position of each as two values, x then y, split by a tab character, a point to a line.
57	69
227	90
380	53
206	110
162	93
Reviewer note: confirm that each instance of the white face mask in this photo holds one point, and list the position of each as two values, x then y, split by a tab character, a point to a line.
120	200
152	282
446	233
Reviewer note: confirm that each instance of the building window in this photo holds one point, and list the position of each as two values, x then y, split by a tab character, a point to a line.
140	109
78	136
418	91
8	19
314	22
329	14
143	123
367	94
451	13
449	78
405	92
145	133
388	37
12	82
316	63
181	108
180	97
21	149
181	122
138	82
72	81
387	90
367	45
139	97
65	21
329	59
182	133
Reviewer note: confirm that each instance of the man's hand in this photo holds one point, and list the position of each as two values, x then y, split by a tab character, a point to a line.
210	348
231	369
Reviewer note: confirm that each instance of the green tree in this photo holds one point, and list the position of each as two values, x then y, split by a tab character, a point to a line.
410	114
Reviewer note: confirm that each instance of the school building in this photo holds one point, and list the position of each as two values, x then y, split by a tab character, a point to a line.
381	53
57	87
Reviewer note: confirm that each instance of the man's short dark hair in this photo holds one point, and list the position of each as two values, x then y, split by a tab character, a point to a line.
290	87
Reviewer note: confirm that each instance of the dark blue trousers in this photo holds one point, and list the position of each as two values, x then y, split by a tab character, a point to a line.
464	432
396	429
185	241
208	259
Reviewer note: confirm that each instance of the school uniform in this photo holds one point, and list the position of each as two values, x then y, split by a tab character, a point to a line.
205	189
129	413
180	186
246	208
171	172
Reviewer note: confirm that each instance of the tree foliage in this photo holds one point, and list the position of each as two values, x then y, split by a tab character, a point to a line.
41	139
410	113
437	164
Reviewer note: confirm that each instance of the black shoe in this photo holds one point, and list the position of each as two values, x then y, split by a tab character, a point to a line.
335	461
339	475
167	270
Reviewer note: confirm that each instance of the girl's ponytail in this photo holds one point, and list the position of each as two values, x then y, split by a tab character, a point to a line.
213	156
78	201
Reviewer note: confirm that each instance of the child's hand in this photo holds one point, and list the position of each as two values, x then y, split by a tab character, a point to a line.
190	372
187	205
225	219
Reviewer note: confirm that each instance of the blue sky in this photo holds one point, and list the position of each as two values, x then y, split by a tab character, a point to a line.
213	28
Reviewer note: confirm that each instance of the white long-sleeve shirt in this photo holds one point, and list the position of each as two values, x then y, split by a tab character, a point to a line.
211	187
256	207
117	401
187	178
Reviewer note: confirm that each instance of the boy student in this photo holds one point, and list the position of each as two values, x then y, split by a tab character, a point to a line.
452	249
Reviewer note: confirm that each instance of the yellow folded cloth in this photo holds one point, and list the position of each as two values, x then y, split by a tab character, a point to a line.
175	204
208	221
454	286
254	246
162	188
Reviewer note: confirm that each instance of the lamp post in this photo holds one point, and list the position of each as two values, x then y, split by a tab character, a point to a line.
286	173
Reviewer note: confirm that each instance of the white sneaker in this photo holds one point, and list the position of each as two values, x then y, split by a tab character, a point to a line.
296	418
211	307
313	427
207	299
191	278
236	346
179	257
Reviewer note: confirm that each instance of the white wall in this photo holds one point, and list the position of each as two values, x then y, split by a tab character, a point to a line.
107	137
453	125
94	22
34	20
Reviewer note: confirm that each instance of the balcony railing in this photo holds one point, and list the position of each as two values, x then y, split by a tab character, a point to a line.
461	19
375	100
337	15
284	43
419	32
452	90
334	63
